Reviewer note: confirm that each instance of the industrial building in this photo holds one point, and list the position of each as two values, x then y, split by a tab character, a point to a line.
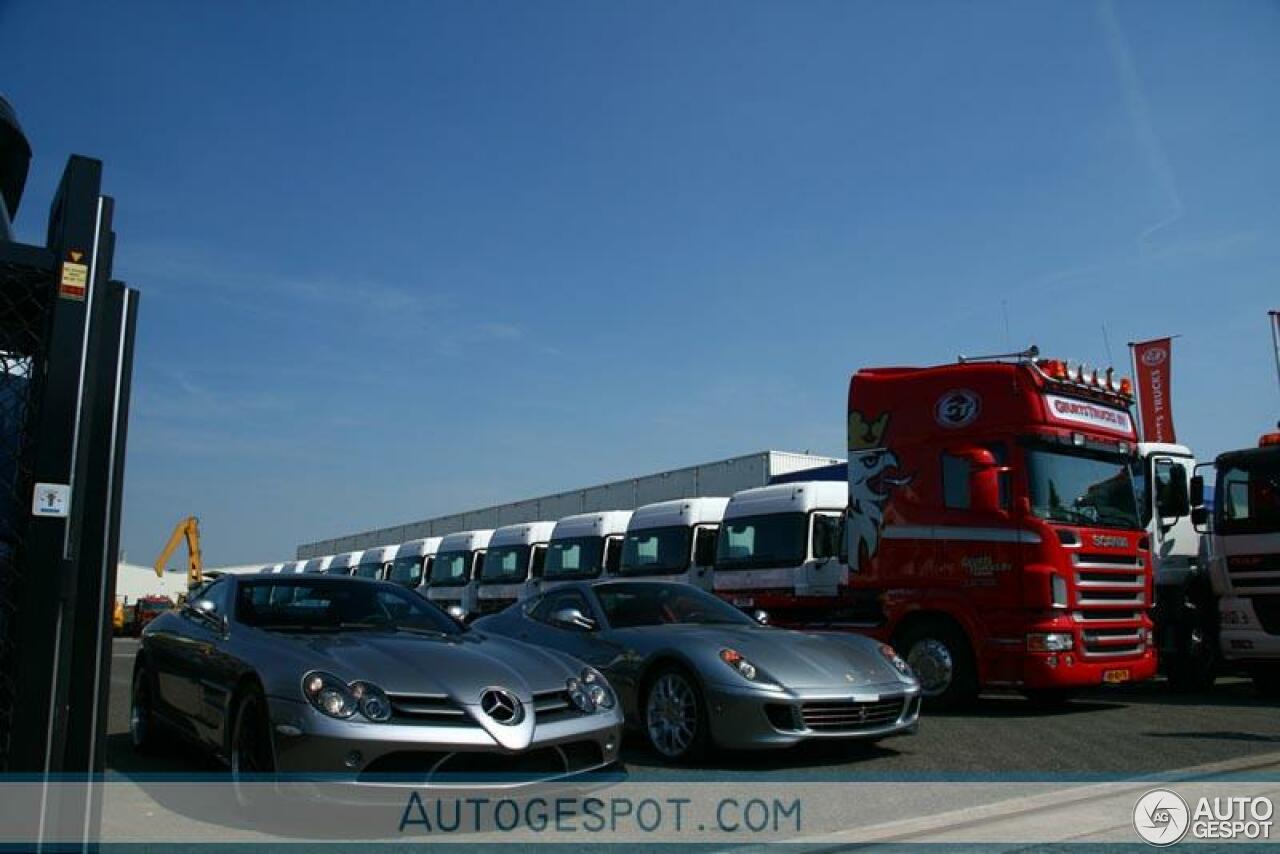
723	477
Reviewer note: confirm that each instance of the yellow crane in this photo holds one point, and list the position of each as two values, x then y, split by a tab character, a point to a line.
189	529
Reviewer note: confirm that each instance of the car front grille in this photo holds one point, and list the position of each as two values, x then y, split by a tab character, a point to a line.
461	767
850	716
428	710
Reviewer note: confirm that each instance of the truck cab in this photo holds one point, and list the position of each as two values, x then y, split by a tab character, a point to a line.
674	540
345	563
778	543
318	564
585	546
411	567
1243	554
992	531
458	562
513	565
1186	609
373	562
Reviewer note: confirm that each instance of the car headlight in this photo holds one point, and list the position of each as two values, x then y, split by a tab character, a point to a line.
578	695
373	701
457	612
734	659
329	695
898	662
597	688
1050	642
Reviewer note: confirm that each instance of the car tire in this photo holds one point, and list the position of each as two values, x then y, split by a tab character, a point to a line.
143	734
1266	680
942	660
675	716
249	749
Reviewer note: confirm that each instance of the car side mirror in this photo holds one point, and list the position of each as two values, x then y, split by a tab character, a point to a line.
574	619
207	612
761	617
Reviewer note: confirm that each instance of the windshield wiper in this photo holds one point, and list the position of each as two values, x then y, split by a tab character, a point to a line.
422	631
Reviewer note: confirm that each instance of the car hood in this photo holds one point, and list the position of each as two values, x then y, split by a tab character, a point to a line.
794	659
461	667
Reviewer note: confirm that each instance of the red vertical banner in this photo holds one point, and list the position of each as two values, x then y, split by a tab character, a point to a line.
1153	362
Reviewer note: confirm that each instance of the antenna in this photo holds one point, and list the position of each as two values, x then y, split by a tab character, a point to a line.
1106	342
1275	338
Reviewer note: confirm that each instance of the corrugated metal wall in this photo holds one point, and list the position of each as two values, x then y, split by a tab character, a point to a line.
723	477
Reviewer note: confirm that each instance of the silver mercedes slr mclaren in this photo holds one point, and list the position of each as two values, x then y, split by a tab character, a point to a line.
328	674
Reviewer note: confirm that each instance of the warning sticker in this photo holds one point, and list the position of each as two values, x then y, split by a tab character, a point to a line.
74	282
52	499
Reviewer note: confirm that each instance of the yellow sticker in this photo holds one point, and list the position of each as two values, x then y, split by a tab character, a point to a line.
75	280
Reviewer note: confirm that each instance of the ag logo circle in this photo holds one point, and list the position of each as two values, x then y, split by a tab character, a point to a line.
1161	817
1154	356
957	408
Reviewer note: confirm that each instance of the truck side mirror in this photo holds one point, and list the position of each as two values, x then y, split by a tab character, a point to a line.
1172	499
1197	491
1199	516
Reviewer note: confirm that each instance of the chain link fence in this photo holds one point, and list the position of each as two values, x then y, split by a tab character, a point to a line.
26	295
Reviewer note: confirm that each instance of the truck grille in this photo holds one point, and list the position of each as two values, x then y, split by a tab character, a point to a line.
1125	640
1251	573
840	716
1109	580
1267	609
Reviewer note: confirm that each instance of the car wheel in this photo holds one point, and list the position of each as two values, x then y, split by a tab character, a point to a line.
142	726
940	657
251	752
675	719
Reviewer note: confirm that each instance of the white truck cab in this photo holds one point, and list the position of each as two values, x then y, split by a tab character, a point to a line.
345	563
1243	555
675	540
513	565
782	537
373	562
458	563
271	568
584	546
412	564
290	567
318	564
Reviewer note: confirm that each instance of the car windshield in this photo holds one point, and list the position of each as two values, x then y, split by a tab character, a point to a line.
1082	488
336	605
574	557
506	563
1248	495
629	605
406	571
451	568
656	551
775	539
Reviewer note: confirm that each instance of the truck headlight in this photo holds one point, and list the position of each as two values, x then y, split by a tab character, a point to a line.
734	659
329	695
896	660
1050	642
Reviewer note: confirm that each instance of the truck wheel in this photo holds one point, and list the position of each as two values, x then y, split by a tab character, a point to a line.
1195	665
675	716
1266	679
942	660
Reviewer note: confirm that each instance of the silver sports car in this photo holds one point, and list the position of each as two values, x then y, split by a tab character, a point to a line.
692	670
310	673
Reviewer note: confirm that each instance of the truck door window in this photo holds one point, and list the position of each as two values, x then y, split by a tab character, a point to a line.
478	569
955	482
827	534
1250	498
704	547
612	555
539	560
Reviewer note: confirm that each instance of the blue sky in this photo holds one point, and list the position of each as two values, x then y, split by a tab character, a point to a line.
406	259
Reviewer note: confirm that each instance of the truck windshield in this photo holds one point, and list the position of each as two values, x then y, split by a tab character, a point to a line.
752	542
1081	488
451	568
406	571
656	551
506	564
368	570
1248	496
574	557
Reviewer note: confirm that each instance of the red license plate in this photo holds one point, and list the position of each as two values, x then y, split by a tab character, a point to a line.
1115	677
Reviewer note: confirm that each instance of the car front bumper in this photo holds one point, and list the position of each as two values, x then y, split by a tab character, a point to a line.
307	743
749	717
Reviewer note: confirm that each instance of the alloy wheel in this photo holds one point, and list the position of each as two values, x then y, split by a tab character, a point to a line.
671	715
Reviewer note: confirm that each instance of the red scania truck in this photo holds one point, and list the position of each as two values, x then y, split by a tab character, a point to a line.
992	532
